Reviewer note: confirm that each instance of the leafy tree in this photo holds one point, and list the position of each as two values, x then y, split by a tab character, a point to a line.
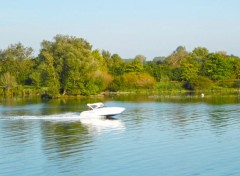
99	60
118	66
117	60
18	61
49	75
134	66
200	53
177	57
107	57
188	71
68	65
217	67
72	64
154	69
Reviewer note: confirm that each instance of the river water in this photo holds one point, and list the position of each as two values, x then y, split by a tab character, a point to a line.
154	136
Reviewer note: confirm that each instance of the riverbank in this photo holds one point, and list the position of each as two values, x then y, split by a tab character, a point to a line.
158	91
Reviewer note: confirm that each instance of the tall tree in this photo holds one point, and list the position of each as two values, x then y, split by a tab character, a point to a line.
72	63
177	57
107	57
18	61
117	66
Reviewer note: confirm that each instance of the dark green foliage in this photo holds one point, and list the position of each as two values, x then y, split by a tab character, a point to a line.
217	67
68	66
198	83
134	66
17	60
116	85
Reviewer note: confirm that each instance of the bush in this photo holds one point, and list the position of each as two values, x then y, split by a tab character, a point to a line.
138	80
199	83
227	83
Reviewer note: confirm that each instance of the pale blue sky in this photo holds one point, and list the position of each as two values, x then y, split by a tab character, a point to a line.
126	27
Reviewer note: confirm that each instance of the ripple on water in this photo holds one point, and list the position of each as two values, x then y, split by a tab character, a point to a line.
153	138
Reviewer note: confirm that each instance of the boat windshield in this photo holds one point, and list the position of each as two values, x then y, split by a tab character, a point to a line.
95	105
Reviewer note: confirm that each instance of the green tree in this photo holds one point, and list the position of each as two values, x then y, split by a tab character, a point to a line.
200	53
179	56
154	69
18	61
134	66
107	57
218	67
188	71
72	64
117	66
49	75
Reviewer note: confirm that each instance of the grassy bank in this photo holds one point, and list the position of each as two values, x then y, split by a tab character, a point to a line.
160	89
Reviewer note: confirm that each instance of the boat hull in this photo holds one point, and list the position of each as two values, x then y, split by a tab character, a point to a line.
106	111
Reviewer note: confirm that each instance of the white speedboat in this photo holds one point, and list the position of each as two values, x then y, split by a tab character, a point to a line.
98	109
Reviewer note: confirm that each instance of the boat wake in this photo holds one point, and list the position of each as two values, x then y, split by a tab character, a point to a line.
92	123
55	117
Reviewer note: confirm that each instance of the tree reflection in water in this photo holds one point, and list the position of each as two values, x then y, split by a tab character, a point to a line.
62	139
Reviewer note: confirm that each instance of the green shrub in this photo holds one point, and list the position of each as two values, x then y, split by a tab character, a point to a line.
138	80
199	83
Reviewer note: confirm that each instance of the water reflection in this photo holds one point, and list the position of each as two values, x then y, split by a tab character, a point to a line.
209	98
221	117
99	125
62	140
155	137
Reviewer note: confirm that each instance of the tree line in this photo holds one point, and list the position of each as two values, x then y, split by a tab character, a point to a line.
69	66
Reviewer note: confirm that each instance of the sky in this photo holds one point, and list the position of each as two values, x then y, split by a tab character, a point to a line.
126	27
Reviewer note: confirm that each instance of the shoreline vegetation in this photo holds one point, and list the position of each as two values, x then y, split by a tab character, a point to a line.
68	67
151	93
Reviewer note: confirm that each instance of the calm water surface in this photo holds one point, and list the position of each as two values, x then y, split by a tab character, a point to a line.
154	136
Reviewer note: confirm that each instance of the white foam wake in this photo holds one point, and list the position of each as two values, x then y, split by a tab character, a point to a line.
55	117
92	123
